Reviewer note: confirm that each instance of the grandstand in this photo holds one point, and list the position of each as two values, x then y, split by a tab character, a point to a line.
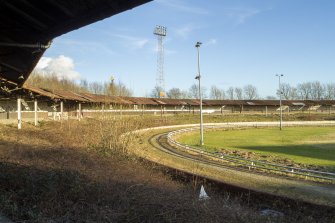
87	104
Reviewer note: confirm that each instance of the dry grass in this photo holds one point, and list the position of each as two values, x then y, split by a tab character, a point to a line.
83	172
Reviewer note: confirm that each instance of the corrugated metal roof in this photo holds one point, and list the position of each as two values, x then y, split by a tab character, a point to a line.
96	98
69	95
42	92
141	101
27	28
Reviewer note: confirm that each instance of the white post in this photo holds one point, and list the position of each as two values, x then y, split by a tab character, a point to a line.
280	103
79	111
103	111
266	110
35	110
61	109
19	114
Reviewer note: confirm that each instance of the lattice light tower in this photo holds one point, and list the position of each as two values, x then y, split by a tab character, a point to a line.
160	32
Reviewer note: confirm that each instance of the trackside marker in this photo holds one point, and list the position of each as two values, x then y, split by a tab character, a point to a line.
203	195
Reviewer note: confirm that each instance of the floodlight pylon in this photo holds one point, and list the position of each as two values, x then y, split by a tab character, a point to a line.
160	32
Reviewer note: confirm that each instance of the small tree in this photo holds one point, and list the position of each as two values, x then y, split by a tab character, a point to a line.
305	90
317	90
230	93
217	93
194	91
250	92
175	93
155	93
238	93
330	91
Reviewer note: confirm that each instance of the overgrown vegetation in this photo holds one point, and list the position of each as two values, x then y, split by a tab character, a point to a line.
53	82
303	91
84	172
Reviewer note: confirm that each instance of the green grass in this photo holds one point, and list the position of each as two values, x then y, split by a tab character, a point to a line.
305	145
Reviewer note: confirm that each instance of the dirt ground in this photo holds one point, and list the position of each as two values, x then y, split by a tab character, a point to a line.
58	172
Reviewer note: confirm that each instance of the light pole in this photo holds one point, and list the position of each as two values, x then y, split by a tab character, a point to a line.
198	77
280	108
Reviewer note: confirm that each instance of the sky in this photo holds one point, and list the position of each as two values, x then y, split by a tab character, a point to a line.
244	42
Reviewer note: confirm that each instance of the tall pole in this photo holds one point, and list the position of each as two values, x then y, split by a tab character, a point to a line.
280	108
160	32
197	45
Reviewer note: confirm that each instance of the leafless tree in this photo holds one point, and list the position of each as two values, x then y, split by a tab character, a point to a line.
238	93
175	93
250	92
329	91
184	94
217	93
285	90
156	92
288	92
123	91
317	90
230	93
96	87
304	90
194	91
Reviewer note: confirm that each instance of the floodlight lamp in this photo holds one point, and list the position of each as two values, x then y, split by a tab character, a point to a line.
160	31
198	44
197	77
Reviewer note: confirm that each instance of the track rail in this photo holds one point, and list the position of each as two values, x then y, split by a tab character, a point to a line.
248	163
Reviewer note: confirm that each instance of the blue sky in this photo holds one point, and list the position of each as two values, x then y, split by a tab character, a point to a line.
244	42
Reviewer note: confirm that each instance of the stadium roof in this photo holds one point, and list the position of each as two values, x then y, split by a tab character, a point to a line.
28	27
29	93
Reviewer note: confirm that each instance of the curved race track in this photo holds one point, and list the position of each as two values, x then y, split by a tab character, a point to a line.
163	153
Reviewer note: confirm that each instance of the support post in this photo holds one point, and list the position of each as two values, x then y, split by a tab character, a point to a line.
79	111
103	111
19	114
35	112
266	110
61	109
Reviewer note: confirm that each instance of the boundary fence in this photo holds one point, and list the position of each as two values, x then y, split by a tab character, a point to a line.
247	163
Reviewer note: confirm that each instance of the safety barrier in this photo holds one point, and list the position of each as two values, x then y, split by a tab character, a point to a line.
248	163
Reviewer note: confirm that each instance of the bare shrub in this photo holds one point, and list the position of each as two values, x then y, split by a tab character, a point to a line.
106	135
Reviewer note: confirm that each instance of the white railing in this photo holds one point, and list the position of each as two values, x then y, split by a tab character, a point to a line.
248	163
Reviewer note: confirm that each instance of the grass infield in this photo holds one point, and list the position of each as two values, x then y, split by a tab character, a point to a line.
311	146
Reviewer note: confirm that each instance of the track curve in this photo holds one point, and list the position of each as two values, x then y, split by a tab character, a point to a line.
261	182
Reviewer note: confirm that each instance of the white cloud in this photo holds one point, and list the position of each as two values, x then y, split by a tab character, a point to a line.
241	15
186	30
182	6
61	66
140	43
211	42
133	43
